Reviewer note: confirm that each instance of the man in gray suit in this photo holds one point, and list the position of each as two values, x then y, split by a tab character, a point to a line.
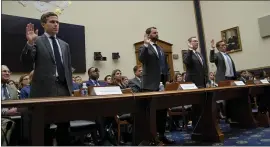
7	92
155	70
224	63
53	74
225	70
135	83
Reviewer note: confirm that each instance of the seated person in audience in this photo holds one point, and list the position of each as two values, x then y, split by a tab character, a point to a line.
108	80
243	76
125	80
25	91
12	83
7	92
117	79
184	76
135	83
262	75
178	77
212	81
23	81
93	74
78	80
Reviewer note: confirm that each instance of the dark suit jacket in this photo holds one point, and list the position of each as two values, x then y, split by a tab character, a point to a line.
196	72
219	60
135	85
151	68
44	78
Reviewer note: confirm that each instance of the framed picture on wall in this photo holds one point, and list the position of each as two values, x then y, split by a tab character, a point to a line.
232	38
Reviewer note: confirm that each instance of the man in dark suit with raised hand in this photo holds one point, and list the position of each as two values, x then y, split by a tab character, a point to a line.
225	69
53	74
224	63
196	66
155	70
196	72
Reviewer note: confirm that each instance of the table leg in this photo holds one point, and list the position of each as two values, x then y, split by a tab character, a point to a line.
37	126
207	128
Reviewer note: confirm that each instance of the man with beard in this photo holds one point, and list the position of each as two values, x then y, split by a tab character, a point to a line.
135	83
93	74
155	70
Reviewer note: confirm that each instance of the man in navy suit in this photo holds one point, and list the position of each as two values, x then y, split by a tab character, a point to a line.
93	74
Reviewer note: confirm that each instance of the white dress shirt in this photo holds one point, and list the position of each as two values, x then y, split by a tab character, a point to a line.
59	48
228	64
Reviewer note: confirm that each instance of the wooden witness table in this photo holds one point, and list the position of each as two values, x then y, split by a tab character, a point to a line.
65	109
142	105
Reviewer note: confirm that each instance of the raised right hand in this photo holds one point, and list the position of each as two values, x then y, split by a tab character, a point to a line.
31	35
212	43
146	39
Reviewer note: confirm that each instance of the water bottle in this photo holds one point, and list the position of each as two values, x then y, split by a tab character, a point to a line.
84	91
161	87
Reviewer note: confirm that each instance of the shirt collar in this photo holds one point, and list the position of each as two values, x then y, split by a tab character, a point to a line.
47	35
223	53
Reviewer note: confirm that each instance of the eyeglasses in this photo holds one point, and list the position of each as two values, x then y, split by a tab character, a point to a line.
6	71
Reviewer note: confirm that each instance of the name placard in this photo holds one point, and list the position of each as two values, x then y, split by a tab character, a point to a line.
239	83
264	81
106	90
188	86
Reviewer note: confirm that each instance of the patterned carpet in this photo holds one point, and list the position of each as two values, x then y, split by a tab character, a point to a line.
233	137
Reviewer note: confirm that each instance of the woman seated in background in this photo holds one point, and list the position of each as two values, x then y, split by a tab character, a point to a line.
178	77
117	79
23	81
25	91
212	82
108	79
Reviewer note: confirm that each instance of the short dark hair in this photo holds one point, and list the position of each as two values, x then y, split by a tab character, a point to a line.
44	16
190	38
217	44
135	68
148	30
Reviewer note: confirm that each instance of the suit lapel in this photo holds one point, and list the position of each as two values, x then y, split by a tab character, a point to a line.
153	50
61	44
198	58
12	93
137	82
48	46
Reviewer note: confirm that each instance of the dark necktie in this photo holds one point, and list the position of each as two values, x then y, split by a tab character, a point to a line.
161	59
5	92
59	65
200	57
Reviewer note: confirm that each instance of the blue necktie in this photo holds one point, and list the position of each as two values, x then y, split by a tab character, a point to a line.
5	92
59	64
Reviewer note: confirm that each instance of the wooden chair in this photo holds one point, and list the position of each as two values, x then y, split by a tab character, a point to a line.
180	110
118	120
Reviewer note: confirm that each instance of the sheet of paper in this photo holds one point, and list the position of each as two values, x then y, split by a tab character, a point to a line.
264	81
106	90
41	6
24	3
188	86
239	83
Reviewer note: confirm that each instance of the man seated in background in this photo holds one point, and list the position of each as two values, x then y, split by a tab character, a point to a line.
135	83
243	76
93	74
7	93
